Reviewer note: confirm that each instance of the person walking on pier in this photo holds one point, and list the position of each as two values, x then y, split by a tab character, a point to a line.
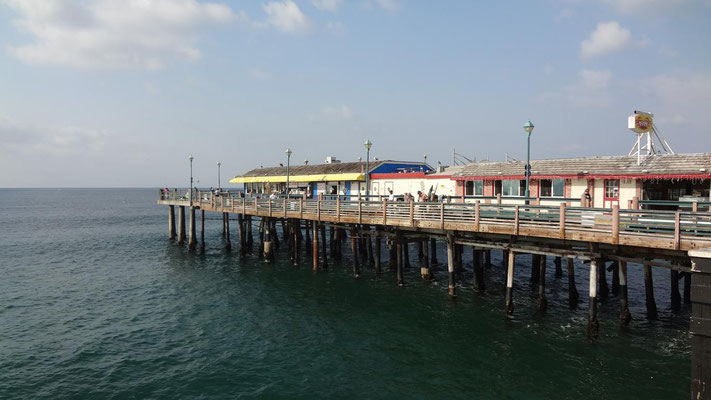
391	197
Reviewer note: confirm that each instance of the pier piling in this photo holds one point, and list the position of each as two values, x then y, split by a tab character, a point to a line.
558	268
202	231
171	222
649	292
625	315
478	267
593	324
450	265
510	262
542	300
675	295
181	225
573	295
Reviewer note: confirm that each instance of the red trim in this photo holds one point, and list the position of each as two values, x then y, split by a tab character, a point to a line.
396	175
587	176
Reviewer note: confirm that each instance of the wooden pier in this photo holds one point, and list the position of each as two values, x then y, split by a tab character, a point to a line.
674	240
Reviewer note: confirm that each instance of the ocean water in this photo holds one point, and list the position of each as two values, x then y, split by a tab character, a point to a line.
97	303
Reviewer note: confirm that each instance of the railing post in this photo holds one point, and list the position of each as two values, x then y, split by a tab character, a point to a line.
318	209
615	224
385	211
635	203
561	221
677	230
285	206
244	206
477	216
516	220
232	203
412	213
498	198
441	215
256	206
301	208
695	207
270	207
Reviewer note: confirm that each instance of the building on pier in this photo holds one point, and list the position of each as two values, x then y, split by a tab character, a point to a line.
439	182
331	178
610	180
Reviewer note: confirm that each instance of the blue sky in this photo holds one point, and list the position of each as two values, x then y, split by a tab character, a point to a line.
119	93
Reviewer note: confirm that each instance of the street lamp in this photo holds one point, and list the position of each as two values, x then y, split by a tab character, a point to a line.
288	157
191	179
528	127
367	145
219	187
425	157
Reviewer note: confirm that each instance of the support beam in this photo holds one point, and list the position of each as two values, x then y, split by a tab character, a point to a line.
425	259
378	240
355	246
192	239
535	269
228	241
269	235
593	324
625	315
202	230
615	269
558	268
572	290
510	262
603	289
433	251
398	250
324	247
314	243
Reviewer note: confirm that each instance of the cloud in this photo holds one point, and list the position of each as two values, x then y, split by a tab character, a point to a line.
108	34
343	111
286	17
607	38
335	27
55	141
259	73
389	5
636	6
326	5
592	79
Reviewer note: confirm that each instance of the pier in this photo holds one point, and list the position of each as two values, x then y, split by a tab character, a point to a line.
675	240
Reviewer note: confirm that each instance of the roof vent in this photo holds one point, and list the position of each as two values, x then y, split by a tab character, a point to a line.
702	169
644	171
332	160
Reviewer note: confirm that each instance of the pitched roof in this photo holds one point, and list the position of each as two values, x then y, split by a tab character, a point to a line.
314	169
669	164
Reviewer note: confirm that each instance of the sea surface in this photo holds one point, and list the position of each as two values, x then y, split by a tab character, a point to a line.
97	303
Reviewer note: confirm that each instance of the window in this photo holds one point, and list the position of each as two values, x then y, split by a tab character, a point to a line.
497	187
612	189
552	187
512	187
474	188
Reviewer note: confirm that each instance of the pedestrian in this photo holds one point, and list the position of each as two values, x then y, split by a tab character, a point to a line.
391	197
588	198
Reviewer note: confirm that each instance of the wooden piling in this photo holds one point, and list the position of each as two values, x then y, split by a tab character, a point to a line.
324	247
572	290
269	235
487	258
314	244
406	255
615	270
433	251
242	238
369	248
378	268
202	230
675	294
478	267
260	231
687	287
625	315
542	301
450	264
398	248
603	290
535	269
228	241
171	222
593	324
192	238
510	262
181	225
649	292
425	259
307	234
355	246
250	238
558	268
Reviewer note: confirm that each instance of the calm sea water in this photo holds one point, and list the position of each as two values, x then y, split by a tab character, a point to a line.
96	302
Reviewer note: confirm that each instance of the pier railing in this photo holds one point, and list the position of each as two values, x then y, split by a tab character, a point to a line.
676	230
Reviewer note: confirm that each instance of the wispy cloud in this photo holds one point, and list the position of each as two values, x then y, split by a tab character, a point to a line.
608	38
287	17
342	111
636	6
327	5
107	34
56	141
389	5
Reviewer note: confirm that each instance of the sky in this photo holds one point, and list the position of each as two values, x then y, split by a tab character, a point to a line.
118	93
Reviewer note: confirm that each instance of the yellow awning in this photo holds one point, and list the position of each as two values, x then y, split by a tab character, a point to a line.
299	178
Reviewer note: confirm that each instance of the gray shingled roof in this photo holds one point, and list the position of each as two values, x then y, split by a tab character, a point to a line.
671	164
314	169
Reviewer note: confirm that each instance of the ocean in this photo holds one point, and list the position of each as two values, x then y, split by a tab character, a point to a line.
97	303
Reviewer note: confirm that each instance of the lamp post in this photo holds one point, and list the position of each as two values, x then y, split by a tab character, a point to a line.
191	179
288	157
367	144
219	187
528	127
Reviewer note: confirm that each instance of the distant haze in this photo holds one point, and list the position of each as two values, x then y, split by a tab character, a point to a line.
111	93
